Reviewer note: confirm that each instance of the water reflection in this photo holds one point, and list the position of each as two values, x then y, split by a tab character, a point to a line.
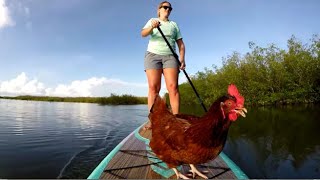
284	141
21	121
47	140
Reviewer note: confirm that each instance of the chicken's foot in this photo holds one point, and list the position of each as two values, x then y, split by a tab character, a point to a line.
195	171
179	175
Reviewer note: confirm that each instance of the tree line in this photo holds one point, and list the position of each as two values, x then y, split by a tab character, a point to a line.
113	99
264	76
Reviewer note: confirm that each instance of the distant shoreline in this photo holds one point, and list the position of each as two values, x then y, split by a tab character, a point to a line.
111	100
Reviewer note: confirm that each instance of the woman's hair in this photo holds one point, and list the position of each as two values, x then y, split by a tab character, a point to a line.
160	5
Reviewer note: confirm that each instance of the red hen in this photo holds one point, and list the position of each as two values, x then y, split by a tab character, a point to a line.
186	139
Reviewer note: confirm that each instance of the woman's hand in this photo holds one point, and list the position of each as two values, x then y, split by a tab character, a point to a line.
155	23
183	64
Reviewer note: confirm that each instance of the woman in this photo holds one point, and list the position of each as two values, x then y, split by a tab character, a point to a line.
159	58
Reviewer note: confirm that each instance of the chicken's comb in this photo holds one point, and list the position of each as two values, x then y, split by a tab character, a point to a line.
233	91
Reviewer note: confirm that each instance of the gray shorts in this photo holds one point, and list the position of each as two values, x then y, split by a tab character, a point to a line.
155	61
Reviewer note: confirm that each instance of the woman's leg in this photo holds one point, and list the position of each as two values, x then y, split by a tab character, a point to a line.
171	78
154	83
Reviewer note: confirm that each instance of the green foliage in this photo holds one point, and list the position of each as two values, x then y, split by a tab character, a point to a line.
264	76
112	100
124	99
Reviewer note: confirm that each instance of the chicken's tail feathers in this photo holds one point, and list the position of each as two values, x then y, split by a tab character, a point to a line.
159	103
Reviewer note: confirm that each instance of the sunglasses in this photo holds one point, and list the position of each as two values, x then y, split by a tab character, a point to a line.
166	7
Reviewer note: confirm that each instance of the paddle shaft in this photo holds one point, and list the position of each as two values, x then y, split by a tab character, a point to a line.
185	73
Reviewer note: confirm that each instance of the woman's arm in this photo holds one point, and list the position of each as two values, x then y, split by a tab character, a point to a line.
182	51
145	32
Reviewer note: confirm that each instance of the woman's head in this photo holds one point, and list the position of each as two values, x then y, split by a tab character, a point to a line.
164	9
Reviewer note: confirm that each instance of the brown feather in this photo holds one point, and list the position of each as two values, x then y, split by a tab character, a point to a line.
187	139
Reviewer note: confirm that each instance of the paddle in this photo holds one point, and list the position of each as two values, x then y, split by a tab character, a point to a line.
185	73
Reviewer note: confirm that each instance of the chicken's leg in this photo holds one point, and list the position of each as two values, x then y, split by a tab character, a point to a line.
179	175
194	171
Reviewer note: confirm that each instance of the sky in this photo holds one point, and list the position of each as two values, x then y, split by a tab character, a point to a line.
94	47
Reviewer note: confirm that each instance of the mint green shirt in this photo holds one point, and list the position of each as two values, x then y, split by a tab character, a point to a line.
157	44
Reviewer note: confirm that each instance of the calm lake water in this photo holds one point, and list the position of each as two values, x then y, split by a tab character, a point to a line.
68	140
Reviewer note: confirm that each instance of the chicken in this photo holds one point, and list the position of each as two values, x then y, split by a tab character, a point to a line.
186	139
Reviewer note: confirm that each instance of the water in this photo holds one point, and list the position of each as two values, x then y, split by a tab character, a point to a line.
65	140
68	140
277	142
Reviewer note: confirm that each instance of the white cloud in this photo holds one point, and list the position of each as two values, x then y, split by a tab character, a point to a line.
93	87
5	19
21	85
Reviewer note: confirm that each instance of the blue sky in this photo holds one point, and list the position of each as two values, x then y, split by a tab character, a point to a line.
94	47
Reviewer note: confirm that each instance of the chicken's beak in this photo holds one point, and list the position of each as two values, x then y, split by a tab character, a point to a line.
241	111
